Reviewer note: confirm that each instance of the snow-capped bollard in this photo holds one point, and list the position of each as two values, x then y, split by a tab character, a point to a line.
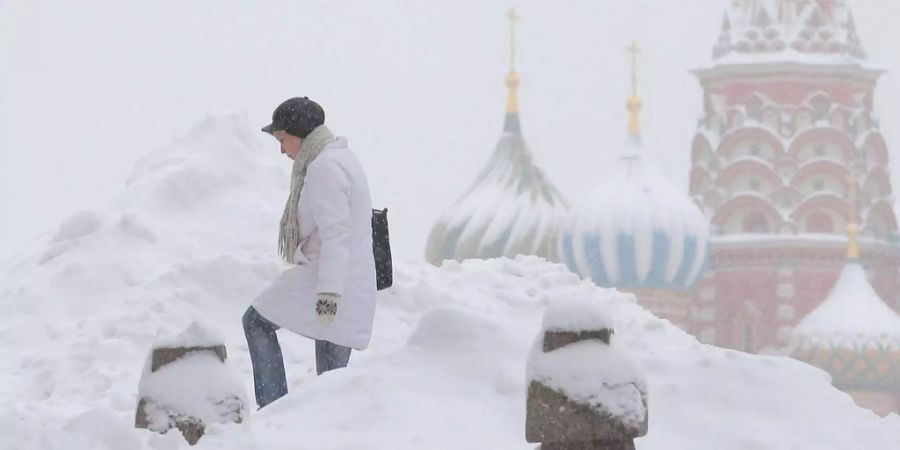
186	384
584	393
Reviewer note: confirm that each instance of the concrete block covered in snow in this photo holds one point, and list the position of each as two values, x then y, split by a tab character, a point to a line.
583	390
186	384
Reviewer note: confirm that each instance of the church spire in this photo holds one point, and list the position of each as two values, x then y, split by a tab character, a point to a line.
634	101
512	79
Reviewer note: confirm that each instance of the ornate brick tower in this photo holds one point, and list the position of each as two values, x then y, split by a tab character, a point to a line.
787	153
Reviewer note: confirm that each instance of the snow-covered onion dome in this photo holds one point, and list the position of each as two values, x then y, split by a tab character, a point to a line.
636	231
853	334
511	209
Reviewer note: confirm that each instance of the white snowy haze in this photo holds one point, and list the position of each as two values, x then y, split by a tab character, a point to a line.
87	87
138	195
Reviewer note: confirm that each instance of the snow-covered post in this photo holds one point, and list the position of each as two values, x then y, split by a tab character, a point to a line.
584	393
187	385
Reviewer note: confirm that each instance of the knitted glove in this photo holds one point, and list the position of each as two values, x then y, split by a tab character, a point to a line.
326	307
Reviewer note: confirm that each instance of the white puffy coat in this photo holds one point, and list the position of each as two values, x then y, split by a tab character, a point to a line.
335	254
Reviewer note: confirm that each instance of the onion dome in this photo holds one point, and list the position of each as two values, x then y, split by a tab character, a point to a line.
636	231
853	334
511	209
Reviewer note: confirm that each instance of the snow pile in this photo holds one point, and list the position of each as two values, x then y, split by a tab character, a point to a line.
446	368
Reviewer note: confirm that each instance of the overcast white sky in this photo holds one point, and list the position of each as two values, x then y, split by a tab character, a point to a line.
86	87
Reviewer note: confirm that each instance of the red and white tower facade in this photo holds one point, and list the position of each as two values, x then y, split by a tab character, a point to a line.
787	154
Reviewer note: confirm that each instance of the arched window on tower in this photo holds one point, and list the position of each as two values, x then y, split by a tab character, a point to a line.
755	222
818	184
819	222
754	184
820	150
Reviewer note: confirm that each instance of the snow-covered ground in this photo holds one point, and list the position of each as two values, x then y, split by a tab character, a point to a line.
192	236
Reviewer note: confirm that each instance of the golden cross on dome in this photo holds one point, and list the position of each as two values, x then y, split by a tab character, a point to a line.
635	51
513	18
512	79
634	102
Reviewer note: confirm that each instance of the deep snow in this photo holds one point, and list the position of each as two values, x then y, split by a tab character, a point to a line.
192	236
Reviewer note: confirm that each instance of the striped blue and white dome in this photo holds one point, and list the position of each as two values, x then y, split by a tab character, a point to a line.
636	231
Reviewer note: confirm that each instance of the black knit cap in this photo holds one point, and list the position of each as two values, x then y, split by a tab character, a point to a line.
297	116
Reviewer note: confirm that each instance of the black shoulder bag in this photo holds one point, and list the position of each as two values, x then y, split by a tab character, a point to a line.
381	247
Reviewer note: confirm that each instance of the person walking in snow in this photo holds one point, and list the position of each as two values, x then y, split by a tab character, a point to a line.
328	292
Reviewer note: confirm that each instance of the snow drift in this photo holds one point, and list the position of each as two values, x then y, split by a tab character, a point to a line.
192	236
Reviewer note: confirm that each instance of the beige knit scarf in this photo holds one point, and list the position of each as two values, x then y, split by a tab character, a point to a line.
289	233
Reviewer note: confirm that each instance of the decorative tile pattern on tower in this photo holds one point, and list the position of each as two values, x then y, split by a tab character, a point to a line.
788	152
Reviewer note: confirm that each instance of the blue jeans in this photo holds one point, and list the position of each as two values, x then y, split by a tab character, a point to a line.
269	380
